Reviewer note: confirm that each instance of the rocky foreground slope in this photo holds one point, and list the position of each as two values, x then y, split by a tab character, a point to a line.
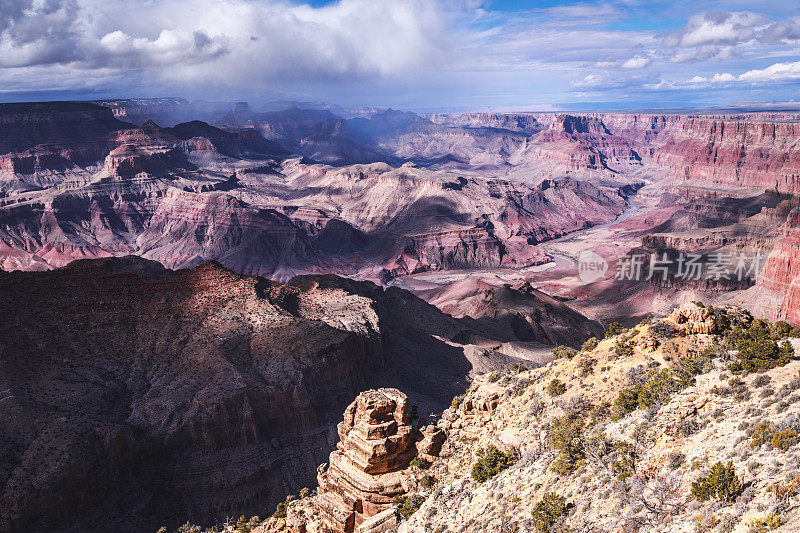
688	423
133	396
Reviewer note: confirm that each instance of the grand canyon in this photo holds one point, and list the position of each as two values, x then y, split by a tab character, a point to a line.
189	308
399	266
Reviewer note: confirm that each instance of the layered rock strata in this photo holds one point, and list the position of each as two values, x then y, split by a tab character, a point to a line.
365	473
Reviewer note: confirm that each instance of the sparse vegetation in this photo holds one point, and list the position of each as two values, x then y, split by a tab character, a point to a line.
548	511
779	439
566	436
662	329
721	484
456	402
420	463
492	461
761	380
615	328
556	388
191	528
564	352
427	481
280	510
590	344
764	524
586	366
623	347
408	505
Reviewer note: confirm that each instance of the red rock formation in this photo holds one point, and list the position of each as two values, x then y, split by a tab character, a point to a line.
734	153
362	477
781	275
128	160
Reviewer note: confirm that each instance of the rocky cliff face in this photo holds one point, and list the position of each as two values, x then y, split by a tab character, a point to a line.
181	195
27	125
134	393
733	153
781	277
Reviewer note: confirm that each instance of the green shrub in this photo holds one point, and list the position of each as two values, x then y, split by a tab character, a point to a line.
427	481
625	464
795	333
661	385
304	492
615	328
280	510
779	439
722	322
494	376
627	401
556	388
590	344
764	524
548	511
781	329
519	367
721	484
408	505
456	401
784	439
757	349
586	366
566	437
491	462
565	352
243	524
623	347
420	463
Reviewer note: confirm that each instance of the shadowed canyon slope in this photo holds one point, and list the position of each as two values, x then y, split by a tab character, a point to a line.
133	394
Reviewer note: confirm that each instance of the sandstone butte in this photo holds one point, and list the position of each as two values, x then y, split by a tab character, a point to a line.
359	485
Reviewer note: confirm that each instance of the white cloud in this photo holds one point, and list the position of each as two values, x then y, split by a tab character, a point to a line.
722	36
720	28
351	38
591	81
776	72
637	62
362	50
779	72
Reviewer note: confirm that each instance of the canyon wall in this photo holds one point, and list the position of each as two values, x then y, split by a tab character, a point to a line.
135	395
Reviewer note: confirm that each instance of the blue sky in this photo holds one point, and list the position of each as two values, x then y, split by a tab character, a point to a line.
427	55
